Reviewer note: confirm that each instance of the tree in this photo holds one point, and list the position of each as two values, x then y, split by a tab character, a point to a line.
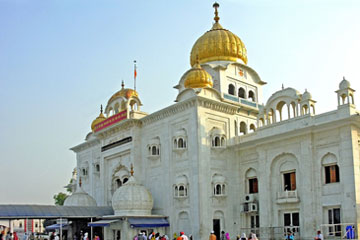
60	198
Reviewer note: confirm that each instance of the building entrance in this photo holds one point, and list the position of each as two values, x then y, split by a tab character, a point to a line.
216	227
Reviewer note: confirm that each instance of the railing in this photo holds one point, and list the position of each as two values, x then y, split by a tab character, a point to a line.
240	100
287	194
340	230
265	233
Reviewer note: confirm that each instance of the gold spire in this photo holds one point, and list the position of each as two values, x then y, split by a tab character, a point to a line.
218	44
216	18
132	170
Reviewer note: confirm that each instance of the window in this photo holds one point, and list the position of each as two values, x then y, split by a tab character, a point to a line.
243	128
334	218
289	181
253	185
218	141
118	183
254	223
231	89
252	96
219	189
332	174
97	167
20	225
241	92
125	180
181	190
291	222
154	151
180	143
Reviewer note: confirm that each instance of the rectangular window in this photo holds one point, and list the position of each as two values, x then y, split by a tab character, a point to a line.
253	185
254	221
289	181
334	219
332	174
291	222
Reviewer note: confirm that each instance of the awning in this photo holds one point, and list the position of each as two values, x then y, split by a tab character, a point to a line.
148	222
102	223
56	226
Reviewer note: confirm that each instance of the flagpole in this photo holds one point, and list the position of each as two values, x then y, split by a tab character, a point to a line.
135	73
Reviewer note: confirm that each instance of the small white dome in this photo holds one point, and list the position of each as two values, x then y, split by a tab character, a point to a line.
306	95
132	199
80	198
344	84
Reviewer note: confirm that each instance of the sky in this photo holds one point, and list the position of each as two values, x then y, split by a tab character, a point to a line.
61	59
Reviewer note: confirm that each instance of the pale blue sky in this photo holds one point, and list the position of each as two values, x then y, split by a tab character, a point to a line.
61	59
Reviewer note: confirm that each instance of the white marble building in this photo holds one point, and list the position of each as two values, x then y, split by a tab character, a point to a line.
219	159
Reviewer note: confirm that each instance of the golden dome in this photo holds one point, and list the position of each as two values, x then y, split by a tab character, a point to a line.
99	119
197	77
218	44
124	92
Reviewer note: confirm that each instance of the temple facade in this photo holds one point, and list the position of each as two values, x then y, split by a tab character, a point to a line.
219	159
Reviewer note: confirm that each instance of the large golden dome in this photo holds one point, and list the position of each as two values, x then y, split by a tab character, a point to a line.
218	44
197	77
99	119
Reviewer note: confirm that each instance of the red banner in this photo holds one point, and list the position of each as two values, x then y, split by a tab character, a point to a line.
111	120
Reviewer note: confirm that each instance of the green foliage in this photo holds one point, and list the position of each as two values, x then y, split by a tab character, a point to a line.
60	198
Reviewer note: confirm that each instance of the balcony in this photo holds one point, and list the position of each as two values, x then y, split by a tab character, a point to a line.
244	102
287	197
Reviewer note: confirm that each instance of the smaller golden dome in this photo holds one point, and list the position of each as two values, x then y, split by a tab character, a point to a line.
124	92
99	119
197	77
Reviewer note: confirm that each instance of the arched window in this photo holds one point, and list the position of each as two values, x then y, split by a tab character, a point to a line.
252	127
20	224
222	141
181	191
231	89
216	142
149	150
125	180
217	189
252	95
243	128
97	167
181	143
241	92
154	151
118	183
175	143
176	191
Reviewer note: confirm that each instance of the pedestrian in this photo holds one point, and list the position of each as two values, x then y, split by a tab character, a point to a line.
85	236
184	237
319	236
238	237
289	236
212	235
174	236
16	236
222	237
56	237
243	236
227	236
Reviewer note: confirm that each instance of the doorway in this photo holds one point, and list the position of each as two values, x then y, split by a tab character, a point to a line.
216	227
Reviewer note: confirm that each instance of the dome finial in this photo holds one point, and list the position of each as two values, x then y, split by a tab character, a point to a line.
132	170
216	18
122	84
101	109
344	78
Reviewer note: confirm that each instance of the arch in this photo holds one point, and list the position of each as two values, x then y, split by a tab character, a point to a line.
118	183
292	111
116	107
261	122
352	98
134	106
223	141
329	158
312	106
344	98
154	150
175	143
252	128
181	143
241	92
283	114
231	89
304	109
182	191
243	128
284	167
216	142
176	191
251	95
250	173
217	189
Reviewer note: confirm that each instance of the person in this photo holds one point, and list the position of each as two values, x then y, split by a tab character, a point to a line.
227	236
52	236
319	236
222	236
289	236
56	237
212	236
175	236
254	237
243	236
16	236
85	236
190	237
184	237
238	237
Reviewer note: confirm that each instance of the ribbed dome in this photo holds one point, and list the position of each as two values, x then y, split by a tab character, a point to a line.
124	92
344	84
132	199
197	77
306	95
80	198
97	120
218	44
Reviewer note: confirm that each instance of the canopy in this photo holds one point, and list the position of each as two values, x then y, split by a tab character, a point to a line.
102	223
56	226
148	222
48	211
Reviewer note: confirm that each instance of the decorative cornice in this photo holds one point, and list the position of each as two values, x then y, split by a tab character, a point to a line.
117	127
169	111
85	145
217	106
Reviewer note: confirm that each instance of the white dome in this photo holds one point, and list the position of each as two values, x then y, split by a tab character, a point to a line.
344	84
306	95
132	199
80	198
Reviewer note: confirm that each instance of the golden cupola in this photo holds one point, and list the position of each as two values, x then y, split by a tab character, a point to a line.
197	77
218	44
124	92
99	119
